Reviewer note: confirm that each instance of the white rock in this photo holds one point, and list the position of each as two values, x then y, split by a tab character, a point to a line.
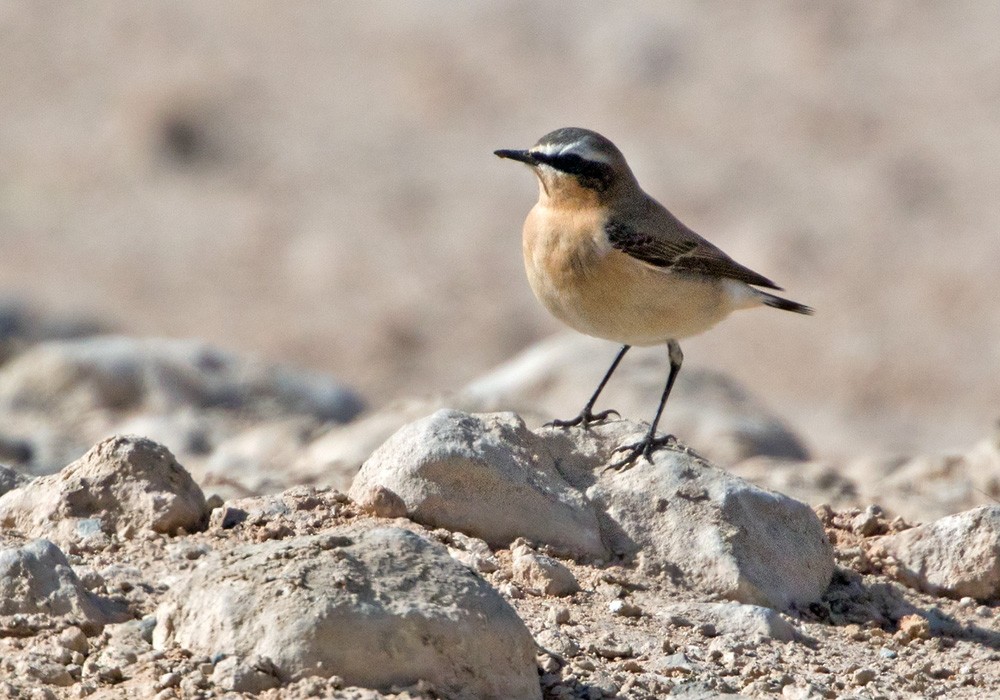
712	531
334	458
484	475
378	608
74	639
36	578
489	476
122	482
555	377
114	372
41	669
958	555
746	621
245	675
542	575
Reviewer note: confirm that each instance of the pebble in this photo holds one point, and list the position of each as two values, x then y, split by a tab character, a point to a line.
914	627
559	616
675	663
548	664
887	653
623	609
867	523
612	651
864	676
708	630
74	639
168	680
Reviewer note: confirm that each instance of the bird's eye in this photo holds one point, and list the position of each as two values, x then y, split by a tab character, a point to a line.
593	174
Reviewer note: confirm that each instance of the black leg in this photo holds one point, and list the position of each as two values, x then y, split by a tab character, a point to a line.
586	416
650	443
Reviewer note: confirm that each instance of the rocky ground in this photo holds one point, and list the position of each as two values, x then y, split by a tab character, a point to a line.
257	534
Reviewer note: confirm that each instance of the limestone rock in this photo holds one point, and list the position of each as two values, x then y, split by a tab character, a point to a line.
114	372
555	378
489	476
122	482
542	575
484	475
958	555
745	621
36	579
245	675
334	457
710	530
326	605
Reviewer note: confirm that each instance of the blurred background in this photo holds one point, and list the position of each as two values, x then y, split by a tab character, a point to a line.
313	183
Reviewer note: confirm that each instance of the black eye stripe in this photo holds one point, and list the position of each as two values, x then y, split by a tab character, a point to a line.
593	173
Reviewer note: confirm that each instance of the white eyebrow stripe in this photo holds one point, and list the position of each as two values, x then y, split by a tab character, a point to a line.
579	148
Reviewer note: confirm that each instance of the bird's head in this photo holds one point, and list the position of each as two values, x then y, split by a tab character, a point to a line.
576	164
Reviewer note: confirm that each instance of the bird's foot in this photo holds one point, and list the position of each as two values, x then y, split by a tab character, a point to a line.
645	447
584	419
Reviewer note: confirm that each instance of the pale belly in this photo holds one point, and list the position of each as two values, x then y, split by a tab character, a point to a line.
607	294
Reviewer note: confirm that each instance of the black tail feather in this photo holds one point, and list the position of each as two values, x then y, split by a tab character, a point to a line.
786	304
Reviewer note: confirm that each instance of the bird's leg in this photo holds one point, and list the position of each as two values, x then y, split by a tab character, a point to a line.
650	443
587	416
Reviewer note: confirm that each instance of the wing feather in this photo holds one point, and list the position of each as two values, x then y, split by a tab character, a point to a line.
666	243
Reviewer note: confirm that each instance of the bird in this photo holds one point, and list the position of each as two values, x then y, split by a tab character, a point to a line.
608	260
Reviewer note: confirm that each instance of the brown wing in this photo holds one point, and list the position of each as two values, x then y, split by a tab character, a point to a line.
663	241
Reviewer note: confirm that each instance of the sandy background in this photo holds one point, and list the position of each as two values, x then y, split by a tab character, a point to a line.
314	183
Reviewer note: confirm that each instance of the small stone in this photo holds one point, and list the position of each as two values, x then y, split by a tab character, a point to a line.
673	664
610	649
864	676
869	522
381	502
623	609
543	575
547	663
559	616
84	689
914	627
226	517
510	590
74	639
110	674
555	641
708	630
887	653
168	680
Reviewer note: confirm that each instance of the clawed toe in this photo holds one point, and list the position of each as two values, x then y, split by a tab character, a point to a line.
645	447
585	419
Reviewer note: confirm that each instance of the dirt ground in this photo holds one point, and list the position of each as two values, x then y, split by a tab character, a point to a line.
622	635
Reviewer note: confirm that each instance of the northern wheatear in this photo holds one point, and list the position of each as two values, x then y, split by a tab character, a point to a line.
610	261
